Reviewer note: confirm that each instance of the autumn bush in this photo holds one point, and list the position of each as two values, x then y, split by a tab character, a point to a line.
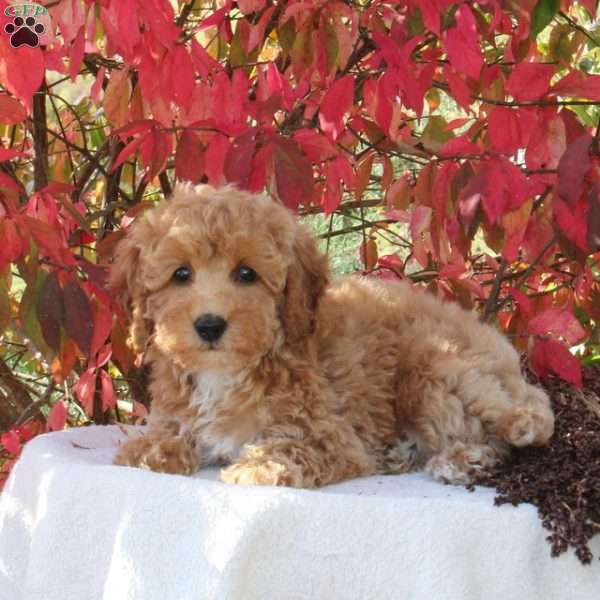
458	140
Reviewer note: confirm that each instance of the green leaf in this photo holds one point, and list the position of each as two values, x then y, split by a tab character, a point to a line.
543	13
28	317
286	34
435	134
332	46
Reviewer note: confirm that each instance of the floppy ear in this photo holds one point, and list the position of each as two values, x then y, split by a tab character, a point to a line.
307	279
125	280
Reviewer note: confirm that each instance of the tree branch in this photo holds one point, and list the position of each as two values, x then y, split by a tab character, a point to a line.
40	139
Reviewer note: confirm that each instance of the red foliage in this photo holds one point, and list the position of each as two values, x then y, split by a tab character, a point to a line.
321	104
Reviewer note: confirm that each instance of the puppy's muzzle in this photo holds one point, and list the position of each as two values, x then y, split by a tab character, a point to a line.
210	327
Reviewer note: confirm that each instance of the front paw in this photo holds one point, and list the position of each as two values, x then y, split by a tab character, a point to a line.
253	472
160	454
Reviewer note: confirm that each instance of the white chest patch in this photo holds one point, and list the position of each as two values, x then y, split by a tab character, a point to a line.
209	391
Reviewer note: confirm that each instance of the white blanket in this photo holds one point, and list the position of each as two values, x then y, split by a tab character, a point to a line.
73	527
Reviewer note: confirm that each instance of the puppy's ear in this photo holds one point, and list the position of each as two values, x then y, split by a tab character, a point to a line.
125	280
307	279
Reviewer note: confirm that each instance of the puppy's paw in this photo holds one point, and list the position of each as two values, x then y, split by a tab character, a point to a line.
161	454
456	464
253	472
527	426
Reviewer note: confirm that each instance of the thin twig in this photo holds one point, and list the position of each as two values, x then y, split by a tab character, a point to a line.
492	300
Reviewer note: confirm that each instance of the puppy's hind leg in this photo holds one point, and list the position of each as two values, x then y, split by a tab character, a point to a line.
528	423
512	410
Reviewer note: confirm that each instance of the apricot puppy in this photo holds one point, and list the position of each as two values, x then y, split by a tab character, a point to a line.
261	364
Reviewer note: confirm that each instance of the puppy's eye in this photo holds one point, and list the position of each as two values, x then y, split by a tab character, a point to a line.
245	274
182	275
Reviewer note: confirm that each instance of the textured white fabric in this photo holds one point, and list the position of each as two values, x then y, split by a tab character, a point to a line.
73	527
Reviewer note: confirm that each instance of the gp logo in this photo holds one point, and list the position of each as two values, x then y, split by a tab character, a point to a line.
28	23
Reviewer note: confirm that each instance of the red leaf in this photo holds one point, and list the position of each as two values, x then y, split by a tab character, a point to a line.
10	441
21	70
529	81
48	239
159	16
559	322
63	364
458	88
51	311
364	168
85	389
139	410
79	320
76	54
460	146
392	262
452	271
160	146
189	159
573	224
217	151
116	98
515	224
135	127
121	23
257	33
238	162
526	305
419	221
97	85
102	328
262	165
104	355
510	129
430	11
215	19
572	167
293	173
183	77
11	110
593	233
337	102
317	147
548	141
57	418
462	44
548	355
10	153
13	245
109	397
129	151
203	61
250	6
590	6
579	85
9	183
501	186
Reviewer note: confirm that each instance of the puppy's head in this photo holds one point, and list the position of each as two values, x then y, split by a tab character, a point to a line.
217	279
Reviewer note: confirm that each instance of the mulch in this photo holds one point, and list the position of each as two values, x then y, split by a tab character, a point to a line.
562	479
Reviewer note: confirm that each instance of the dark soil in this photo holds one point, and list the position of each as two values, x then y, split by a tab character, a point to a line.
563	478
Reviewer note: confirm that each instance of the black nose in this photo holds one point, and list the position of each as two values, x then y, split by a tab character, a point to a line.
210	327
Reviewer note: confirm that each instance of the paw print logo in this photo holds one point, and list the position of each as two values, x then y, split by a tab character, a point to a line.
24	31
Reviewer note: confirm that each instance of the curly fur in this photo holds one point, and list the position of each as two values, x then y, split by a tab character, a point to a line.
313	382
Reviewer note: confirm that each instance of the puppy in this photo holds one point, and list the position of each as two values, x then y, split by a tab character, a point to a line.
261	364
